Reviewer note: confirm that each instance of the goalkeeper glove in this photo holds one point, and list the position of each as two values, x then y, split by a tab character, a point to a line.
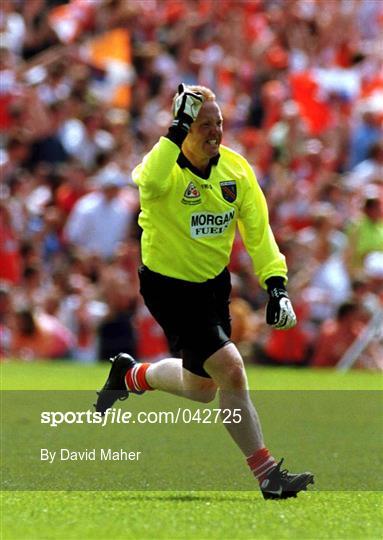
279	311
186	107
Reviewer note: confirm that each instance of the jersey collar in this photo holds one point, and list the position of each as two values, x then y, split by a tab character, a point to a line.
184	163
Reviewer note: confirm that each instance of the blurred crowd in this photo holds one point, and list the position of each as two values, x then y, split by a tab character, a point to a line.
85	92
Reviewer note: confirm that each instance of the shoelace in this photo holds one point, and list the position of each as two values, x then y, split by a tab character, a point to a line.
284	472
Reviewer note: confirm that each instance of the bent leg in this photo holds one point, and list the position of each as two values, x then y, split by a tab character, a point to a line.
169	376
226	369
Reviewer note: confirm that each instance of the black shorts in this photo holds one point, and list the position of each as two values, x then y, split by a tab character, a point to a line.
194	316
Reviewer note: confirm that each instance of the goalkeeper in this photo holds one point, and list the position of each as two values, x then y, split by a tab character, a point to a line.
194	191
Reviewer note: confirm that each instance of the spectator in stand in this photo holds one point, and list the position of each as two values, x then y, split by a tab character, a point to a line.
56	87
5	317
39	336
10	262
372	358
72	187
365	235
369	170
365	135
362	295
79	307
245	322
152	344
14	157
290	349
12	27
323	275
32	287
51	241
29	118
373	269
100	221
336	335
38	32
49	148
116	331
85	139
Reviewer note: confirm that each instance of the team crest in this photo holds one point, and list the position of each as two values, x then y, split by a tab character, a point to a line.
229	190
191	195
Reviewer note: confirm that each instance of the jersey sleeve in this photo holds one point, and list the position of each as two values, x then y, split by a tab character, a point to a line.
256	233
153	175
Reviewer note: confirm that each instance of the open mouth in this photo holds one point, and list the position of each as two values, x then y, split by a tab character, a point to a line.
213	143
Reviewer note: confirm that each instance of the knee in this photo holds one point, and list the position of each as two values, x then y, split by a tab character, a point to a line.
227	370
235	376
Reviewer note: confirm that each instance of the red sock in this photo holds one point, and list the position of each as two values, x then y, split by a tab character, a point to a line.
135	379
260	463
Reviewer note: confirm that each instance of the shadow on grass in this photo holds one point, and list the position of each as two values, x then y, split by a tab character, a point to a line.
184	497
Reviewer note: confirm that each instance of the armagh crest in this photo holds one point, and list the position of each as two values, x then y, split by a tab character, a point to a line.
229	190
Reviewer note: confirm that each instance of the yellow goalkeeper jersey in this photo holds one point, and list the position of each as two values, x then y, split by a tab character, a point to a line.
189	221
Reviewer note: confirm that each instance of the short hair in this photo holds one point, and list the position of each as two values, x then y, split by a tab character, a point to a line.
375	149
345	309
27	323
371	203
197	89
206	92
30	272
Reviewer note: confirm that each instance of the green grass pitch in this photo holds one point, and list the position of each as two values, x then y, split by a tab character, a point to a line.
99	515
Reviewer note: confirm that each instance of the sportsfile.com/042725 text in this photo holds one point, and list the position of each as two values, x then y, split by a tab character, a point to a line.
117	416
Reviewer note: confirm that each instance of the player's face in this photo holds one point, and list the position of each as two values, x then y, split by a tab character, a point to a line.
205	134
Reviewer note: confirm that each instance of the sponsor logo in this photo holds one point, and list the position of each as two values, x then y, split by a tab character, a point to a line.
229	190
265	484
209	224
191	195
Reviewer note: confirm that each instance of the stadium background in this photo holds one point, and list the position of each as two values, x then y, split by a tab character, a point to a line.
85	91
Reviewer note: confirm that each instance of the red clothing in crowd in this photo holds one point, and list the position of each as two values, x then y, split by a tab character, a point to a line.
334	339
67	196
289	346
50	339
10	263
152	344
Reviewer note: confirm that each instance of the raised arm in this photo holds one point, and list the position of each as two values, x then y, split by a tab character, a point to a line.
153	174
